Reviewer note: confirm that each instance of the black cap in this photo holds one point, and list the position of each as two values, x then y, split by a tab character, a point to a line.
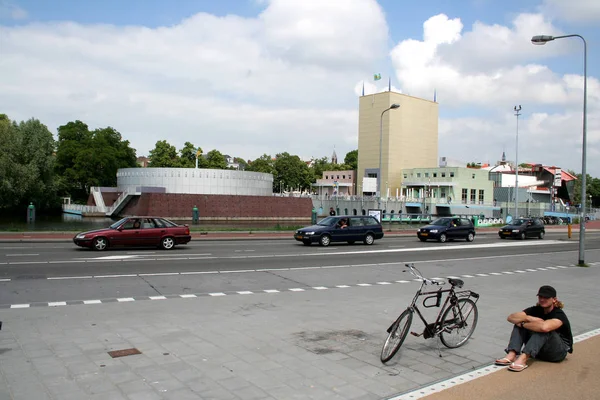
547	291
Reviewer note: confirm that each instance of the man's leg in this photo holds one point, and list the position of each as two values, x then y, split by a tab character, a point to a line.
554	350
518	337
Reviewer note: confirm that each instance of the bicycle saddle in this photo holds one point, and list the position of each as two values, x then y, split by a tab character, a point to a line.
456	282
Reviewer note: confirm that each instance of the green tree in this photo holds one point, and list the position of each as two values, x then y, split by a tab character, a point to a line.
187	156
351	159
163	155
241	162
290	172
216	160
26	164
264	164
85	159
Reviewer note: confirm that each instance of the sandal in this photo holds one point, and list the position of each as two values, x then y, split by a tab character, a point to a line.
503	362
517	367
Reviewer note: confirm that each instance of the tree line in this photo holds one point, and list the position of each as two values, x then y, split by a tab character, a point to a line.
35	167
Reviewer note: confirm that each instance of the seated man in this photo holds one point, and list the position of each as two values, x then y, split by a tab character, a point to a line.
542	332
343	223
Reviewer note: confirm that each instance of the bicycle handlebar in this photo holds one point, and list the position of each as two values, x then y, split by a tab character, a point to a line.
417	274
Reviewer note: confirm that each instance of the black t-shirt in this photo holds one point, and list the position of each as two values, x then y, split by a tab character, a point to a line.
565	329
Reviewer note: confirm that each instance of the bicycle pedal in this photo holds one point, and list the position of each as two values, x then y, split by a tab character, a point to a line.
416	334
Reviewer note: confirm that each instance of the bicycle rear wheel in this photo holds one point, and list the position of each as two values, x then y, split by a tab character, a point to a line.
396	337
458	322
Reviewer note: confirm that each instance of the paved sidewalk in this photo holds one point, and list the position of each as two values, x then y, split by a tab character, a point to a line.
312	344
574	378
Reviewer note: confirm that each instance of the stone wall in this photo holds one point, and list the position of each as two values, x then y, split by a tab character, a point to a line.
220	207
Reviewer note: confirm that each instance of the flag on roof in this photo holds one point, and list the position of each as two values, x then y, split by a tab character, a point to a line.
376	77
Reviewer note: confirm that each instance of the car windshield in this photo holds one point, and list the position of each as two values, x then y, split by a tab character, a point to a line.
441	222
118	223
327	221
519	221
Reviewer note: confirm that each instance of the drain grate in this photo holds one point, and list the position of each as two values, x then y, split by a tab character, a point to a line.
124	353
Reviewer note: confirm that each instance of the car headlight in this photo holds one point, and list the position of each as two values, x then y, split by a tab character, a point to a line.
309	233
433	231
515	231
81	236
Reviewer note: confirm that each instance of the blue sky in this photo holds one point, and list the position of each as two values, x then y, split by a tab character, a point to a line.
161	69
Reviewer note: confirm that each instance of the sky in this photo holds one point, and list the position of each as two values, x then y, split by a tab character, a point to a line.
254	77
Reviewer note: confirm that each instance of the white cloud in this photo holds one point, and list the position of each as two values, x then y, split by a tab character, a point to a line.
487	70
10	10
572	10
245	86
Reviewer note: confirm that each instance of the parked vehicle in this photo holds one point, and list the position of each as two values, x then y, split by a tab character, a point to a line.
136	231
523	228
343	228
448	228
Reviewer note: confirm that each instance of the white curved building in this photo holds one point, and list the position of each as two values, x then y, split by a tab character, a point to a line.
195	181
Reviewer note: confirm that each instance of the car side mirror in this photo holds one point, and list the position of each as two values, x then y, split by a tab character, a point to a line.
120	228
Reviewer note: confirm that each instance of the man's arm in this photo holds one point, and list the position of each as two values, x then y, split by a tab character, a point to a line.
520	316
543	326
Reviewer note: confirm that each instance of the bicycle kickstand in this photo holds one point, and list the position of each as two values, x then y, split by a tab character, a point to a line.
437	342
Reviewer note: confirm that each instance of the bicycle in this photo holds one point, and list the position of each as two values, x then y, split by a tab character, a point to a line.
458	316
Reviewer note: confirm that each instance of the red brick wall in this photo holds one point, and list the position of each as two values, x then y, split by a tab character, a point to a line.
219	207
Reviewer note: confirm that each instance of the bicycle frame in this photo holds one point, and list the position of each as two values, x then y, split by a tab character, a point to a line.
434	328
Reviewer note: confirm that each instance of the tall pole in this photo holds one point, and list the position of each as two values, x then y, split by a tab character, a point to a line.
517	109
392	107
543	39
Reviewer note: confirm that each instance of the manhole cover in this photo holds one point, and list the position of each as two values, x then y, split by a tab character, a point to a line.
123	353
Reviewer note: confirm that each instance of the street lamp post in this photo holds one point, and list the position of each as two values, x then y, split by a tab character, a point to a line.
543	39
392	107
517	109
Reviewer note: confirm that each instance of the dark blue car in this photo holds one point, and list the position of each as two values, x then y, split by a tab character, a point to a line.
342	228
448	228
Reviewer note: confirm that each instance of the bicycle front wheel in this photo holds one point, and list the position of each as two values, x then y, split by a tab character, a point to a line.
396	337
458	323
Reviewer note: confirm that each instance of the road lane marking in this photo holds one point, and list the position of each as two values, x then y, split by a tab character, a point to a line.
169	257
4	280
59	278
220	294
20	255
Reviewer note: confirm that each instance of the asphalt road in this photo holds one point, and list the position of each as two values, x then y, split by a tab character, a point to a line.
56	272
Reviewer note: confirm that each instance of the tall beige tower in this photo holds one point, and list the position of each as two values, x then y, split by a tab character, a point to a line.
409	138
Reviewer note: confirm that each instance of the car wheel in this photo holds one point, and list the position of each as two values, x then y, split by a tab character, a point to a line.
100	243
470	237
422	239
351	242
369	239
167	243
443	238
306	242
522	236
541	236
325	240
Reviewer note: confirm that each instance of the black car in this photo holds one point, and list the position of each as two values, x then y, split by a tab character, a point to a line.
523	228
448	228
343	228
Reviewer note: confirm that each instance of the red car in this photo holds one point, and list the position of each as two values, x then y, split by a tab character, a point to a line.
136	231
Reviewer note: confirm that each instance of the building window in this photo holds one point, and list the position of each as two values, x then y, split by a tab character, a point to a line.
473	195
464	195
418	174
326	176
426	174
473	176
343	176
405	176
481	197
435	174
452	174
443	174
443	192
